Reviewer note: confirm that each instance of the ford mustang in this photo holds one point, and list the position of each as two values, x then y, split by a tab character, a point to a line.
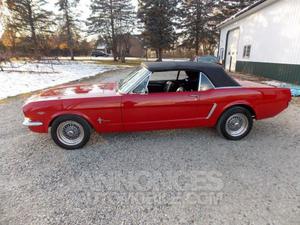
156	96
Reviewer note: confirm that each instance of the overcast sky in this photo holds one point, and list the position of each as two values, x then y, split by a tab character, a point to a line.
83	9
85	4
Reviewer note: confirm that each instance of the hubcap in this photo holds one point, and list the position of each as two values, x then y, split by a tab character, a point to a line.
237	125
70	133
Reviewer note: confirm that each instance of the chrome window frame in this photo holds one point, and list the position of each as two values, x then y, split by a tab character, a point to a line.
134	86
200	81
138	84
149	74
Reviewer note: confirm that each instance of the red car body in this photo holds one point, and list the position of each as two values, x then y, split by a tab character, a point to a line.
107	110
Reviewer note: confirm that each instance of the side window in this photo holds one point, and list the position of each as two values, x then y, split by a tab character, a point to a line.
205	83
182	75
165	75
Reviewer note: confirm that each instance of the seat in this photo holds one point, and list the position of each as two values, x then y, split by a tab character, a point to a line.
180	89
169	86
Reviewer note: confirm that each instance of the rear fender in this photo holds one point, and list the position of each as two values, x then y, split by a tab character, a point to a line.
245	104
222	108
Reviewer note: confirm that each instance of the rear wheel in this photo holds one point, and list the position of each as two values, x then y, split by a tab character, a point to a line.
70	132
235	124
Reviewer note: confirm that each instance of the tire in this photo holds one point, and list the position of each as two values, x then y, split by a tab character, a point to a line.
70	132
235	123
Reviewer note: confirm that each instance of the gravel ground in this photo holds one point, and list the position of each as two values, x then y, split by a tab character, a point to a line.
190	176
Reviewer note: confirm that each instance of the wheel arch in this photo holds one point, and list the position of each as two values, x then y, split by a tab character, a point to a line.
245	105
83	116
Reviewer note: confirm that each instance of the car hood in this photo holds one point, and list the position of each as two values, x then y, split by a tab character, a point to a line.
77	91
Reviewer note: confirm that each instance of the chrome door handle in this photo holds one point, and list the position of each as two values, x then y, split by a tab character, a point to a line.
195	96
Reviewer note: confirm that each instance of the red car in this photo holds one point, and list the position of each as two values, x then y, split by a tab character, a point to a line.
157	96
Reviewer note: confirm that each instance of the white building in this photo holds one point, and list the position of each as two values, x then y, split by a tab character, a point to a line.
263	39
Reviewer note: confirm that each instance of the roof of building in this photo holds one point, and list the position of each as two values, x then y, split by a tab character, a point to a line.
259	4
214	72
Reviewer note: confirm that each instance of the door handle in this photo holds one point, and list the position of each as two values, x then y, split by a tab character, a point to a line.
195	96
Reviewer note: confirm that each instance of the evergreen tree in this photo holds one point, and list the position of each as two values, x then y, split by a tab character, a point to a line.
231	7
67	7
199	19
197	22
159	21
29	17
110	19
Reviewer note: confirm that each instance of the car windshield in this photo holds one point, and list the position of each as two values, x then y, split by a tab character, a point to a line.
133	78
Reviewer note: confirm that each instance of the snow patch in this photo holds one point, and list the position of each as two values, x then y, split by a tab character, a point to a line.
295	89
27	77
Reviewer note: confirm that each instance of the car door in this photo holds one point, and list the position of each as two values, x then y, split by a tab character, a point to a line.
164	110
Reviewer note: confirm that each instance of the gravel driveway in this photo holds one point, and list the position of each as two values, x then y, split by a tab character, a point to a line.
190	176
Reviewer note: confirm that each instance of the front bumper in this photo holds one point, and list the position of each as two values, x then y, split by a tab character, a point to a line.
28	123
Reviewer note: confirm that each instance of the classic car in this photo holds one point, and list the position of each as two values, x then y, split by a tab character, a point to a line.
99	53
156	96
207	59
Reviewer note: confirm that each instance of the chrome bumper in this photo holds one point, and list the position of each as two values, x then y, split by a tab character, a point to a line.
28	123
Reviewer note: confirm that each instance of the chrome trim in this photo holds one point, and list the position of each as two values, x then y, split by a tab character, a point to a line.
229	87
100	120
28	123
200	81
212	111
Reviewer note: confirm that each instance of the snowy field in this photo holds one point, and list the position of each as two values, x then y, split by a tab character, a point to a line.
21	77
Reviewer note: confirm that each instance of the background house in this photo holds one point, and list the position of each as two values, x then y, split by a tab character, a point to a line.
136	47
263	39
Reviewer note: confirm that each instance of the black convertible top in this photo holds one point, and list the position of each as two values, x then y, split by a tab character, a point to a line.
214	72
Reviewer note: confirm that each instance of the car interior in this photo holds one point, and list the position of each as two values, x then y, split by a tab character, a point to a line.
178	81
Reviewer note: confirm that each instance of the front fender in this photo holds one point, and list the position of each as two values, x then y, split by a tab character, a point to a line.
76	113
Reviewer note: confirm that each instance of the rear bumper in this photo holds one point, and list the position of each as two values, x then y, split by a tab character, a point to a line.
28	123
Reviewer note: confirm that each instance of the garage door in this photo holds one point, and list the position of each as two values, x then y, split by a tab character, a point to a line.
232	49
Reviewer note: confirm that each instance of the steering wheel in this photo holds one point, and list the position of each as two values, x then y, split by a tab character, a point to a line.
168	86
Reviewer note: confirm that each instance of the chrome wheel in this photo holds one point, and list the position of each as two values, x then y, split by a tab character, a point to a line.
237	125
70	133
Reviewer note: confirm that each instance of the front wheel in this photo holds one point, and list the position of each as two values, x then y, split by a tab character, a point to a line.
70	132
235	124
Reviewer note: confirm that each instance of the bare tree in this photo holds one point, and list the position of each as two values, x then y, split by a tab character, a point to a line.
30	17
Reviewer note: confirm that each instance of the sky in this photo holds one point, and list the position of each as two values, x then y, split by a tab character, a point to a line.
84	6
83	9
